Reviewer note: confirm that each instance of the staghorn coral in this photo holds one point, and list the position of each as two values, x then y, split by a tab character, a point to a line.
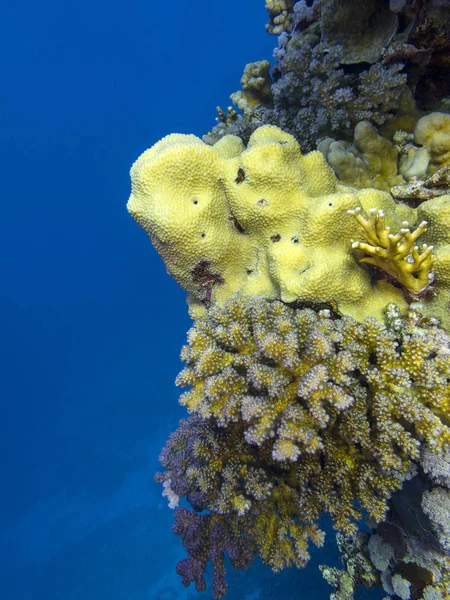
296	413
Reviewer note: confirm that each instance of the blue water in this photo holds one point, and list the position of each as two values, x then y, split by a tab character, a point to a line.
91	325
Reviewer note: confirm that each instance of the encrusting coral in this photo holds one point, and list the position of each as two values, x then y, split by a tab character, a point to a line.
297	413
268	220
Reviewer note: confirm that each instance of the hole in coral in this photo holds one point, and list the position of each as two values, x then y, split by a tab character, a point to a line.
194	201
203	234
330	204
403	23
275	238
262	202
236	223
355	69
240	176
203	275
249	271
295	239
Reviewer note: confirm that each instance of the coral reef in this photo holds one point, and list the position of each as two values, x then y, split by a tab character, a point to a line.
408	554
339	63
267	220
280	13
298	413
370	161
318	366
312	96
413	166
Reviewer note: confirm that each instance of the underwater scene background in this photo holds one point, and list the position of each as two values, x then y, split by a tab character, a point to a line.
92	325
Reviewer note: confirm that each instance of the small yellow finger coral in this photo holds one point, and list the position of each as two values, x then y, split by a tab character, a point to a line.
395	254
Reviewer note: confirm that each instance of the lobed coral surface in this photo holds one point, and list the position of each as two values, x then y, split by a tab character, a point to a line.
267	220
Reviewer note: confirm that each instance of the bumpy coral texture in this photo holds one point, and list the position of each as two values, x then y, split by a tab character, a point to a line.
414	166
268	220
402	552
342	62
280	13
296	413
314	96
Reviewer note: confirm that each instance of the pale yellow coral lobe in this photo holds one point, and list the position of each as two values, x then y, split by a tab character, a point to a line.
263	220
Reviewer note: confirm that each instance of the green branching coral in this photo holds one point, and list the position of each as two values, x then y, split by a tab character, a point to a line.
296	413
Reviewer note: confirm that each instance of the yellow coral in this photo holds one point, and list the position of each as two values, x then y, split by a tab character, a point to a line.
280	15
395	254
433	132
255	82
264	220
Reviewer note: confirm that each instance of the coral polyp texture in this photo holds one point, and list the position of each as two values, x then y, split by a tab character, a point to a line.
268	220
298	413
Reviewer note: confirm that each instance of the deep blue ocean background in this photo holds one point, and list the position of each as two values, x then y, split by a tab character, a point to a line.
91	324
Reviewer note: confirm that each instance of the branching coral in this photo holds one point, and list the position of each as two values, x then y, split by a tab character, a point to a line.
296	413
396	254
340	63
251	508
312	96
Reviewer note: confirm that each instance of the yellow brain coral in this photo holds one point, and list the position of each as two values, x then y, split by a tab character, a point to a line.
266	220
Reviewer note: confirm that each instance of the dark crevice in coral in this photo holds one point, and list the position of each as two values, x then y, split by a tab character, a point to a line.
240	177
236	224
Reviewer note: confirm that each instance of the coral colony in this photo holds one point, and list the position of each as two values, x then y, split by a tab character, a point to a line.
312	234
